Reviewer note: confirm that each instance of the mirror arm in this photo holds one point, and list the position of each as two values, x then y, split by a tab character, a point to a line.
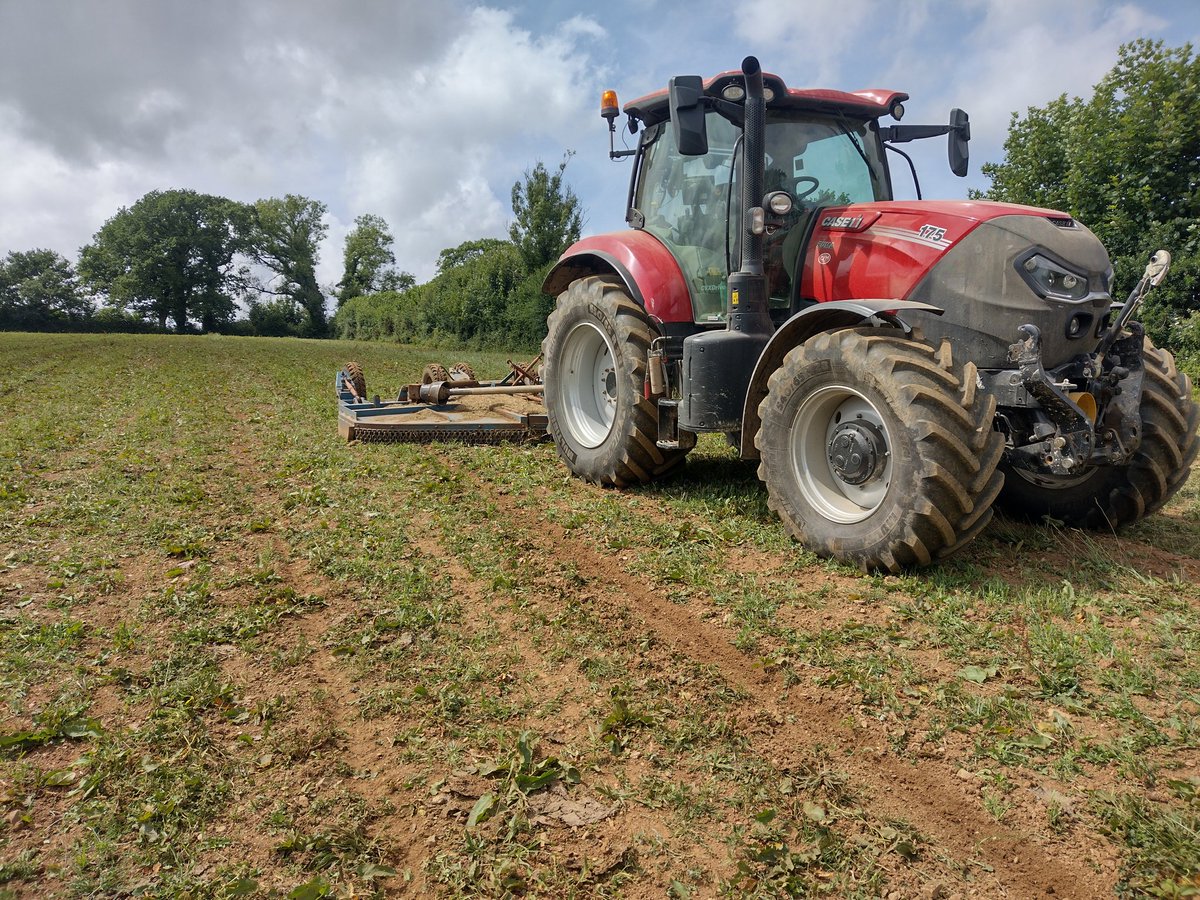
902	134
734	112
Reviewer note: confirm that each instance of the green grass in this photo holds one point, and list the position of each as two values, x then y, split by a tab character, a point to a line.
239	656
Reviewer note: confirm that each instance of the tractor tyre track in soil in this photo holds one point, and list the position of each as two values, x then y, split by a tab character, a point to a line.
603	846
330	750
928	796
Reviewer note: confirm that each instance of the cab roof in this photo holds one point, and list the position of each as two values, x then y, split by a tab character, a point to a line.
867	104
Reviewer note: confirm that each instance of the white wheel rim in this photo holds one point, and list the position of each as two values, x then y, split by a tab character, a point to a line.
588	384
816	421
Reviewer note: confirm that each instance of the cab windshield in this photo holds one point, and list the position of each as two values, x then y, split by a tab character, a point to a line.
693	203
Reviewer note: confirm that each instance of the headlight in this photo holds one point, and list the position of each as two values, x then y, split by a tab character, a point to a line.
1049	279
779	202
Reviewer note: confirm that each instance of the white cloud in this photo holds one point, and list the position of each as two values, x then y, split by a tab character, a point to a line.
829	41
1014	54
1026	52
422	116
47	201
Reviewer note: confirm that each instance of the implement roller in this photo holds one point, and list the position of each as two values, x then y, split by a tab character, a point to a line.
447	405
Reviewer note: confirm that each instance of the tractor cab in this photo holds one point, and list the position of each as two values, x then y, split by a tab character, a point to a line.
693	203
822	149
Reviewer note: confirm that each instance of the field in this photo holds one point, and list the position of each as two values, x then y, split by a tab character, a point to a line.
240	658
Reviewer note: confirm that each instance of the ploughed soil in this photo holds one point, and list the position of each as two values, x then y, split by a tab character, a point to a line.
356	739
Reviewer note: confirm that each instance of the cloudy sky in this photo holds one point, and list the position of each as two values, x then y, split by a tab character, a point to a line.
426	113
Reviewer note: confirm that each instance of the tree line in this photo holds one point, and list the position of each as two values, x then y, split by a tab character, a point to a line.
186	261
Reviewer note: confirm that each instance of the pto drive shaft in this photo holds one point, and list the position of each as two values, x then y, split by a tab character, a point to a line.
441	391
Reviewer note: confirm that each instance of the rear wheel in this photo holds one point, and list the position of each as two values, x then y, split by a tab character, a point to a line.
462	372
594	369
358	381
877	450
433	373
1106	497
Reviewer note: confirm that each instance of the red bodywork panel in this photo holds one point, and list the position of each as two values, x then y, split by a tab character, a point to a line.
643	259
883	250
857	252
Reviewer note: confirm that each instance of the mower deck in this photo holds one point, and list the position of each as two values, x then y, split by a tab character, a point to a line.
467	418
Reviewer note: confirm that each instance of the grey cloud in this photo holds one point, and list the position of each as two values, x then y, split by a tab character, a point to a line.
94	78
423	113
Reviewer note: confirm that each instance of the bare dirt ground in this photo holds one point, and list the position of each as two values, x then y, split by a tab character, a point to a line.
241	658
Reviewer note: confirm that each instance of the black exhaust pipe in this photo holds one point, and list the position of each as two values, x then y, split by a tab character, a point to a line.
754	138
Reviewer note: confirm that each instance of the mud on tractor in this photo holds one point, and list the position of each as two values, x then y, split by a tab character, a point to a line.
896	368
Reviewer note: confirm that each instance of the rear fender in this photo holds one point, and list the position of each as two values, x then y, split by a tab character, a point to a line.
831	316
639	259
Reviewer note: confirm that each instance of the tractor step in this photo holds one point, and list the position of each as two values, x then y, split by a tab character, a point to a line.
668	424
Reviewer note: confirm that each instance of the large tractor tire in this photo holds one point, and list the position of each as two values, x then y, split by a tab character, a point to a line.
1106	497
462	371
358	381
877	450
594	369
433	373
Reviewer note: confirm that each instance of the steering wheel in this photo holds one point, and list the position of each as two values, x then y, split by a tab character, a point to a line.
812	183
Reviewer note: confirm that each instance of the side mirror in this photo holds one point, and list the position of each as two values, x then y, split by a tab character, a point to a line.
687	114
960	133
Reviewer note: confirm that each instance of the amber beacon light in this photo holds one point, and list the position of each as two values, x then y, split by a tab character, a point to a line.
608	105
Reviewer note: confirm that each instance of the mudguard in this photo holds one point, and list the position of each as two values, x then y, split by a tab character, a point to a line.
798	329
650	272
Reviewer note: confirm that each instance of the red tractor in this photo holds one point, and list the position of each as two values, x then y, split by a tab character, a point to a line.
896	368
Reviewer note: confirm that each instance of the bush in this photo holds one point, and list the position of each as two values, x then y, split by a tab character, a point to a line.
275	319
484	297
238	328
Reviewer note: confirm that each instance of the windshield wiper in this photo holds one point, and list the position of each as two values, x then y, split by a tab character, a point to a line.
857	146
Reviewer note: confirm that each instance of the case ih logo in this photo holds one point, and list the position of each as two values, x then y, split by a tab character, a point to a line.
842	222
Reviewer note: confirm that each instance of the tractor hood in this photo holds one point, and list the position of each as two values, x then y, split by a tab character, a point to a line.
991	266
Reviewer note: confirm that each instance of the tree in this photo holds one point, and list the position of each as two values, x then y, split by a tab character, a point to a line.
368	261
170	256
286	238
453	257
39	289
548	215
396	281
1127	164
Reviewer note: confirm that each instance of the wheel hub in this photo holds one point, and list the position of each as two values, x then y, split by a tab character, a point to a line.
857	451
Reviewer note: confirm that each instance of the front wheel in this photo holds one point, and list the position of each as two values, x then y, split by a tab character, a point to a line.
1105	497
877	450
594	369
